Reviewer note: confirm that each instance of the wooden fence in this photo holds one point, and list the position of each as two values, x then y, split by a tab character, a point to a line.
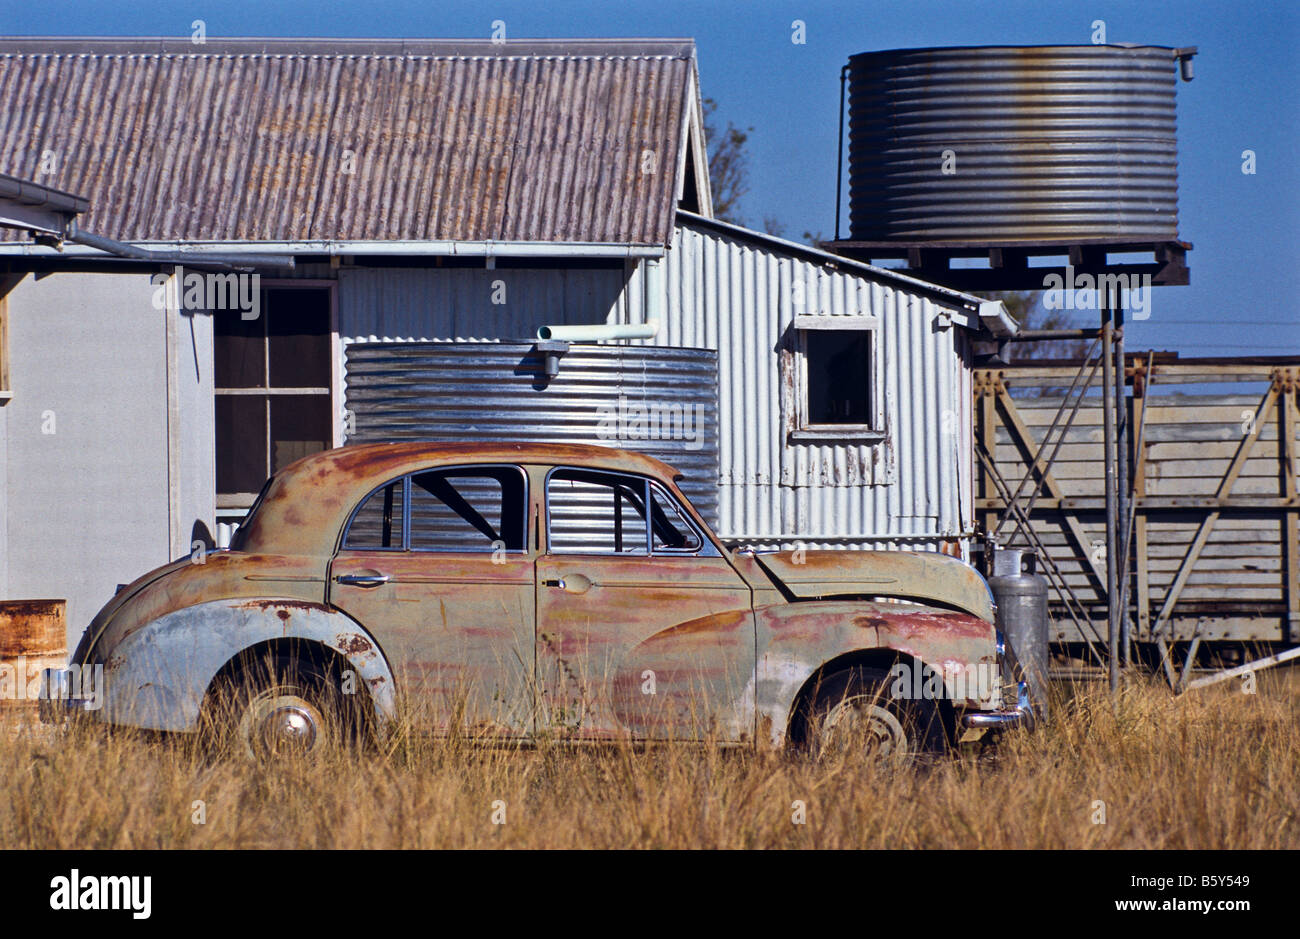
1214	550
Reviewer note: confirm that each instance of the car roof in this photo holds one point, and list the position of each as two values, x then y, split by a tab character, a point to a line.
375	459
308	501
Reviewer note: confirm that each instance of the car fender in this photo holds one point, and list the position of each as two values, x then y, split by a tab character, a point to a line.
158	675
795	640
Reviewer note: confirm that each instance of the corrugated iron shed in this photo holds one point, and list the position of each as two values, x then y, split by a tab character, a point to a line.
355	140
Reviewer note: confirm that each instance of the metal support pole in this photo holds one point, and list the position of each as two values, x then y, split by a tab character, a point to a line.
1125	491
1112	510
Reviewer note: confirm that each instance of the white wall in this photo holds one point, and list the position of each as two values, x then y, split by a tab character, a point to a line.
92	504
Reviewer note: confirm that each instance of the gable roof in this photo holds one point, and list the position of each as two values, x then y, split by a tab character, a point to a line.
567	141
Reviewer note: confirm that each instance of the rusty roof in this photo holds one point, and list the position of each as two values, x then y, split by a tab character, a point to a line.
291	140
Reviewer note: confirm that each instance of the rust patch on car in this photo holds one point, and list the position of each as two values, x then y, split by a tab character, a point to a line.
281	607
870	622
352	644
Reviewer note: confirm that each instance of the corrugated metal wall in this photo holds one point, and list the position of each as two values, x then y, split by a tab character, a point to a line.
657	401
740	297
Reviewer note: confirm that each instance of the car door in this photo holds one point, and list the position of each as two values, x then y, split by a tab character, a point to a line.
436	565
644	629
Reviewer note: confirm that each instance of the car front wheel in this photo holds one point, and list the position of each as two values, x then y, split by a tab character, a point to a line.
854	712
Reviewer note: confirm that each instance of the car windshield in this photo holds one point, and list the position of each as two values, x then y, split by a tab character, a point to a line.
241	533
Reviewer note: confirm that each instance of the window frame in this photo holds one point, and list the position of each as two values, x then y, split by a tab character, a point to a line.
525	502
231	503
406	480
804	430
706	546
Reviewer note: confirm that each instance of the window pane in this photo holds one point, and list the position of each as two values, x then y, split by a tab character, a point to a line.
238	350
839	376
298	323
468	510
378	523
671	530
241	443
595	513
300	426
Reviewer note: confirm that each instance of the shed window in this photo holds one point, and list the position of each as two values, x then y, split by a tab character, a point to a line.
839	376
838	379
272	387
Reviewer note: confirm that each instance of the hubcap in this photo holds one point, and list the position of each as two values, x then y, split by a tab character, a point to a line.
289	726
864	722
281	725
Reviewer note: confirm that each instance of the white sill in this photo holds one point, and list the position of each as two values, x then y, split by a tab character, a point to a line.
837	433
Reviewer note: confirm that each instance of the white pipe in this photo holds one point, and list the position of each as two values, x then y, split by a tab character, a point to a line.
598	333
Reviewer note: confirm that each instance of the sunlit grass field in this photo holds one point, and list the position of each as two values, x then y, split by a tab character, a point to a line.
1215	768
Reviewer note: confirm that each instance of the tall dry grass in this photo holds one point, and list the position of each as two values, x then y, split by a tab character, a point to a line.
1215	768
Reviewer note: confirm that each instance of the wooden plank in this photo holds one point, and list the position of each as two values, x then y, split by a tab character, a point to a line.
1211	411
1246	486
1245	566
1090	453
1167	373
1160	433
1085	504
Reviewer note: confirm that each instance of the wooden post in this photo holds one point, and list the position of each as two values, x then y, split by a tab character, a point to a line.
1140	550
1286	448
1112	509
985	385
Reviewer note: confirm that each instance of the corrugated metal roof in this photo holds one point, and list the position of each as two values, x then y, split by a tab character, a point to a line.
247	140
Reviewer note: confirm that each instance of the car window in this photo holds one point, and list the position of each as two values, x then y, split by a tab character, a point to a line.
378	523
592	512
672	532
468	509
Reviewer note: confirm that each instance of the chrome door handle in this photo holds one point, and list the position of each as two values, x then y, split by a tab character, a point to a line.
362	580
571	583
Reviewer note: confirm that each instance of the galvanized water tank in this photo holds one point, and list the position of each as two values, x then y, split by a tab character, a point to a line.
654	400
1013	145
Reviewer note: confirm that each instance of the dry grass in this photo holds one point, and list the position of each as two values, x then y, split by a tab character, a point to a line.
1213	769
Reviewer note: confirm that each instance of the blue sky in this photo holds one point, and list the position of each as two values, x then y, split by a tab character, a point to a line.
1245	276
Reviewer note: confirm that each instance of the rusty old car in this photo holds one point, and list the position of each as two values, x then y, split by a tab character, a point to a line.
507	591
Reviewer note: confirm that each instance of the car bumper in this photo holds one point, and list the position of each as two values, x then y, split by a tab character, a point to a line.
59	699
1022	715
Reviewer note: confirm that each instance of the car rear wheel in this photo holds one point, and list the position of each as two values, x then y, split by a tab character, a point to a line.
284	711
854	713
